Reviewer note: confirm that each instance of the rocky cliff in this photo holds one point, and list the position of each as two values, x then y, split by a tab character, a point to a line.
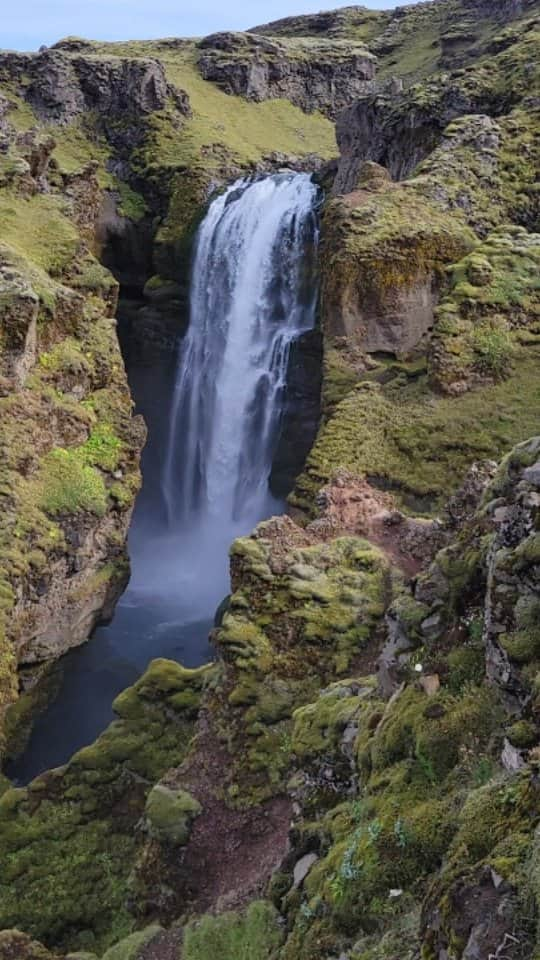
70	445
312	76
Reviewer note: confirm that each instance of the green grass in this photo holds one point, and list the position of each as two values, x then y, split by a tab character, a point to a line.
422	444
247	130
37	228
76	146
254	936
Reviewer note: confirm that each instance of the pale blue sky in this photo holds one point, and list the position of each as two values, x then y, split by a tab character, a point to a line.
26	24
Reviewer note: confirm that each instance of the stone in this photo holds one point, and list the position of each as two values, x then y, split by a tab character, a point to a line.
532	474
302	868
431	684
511	758
324	77
432	626
61	87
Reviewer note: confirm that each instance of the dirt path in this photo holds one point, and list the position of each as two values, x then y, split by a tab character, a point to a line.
231	854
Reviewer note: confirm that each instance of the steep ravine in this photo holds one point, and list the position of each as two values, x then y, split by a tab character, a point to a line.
178	547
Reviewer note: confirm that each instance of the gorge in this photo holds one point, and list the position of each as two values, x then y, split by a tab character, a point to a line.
253	293
282	700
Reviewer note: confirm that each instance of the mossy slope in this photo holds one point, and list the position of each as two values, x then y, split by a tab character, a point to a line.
67	841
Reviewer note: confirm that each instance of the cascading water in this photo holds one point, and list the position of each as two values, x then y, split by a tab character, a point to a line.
253	293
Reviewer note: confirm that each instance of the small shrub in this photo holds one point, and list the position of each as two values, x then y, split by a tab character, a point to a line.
493	349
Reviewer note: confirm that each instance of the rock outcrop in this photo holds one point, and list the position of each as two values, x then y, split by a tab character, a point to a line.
384	252
400	128
70	447
61	86
314	77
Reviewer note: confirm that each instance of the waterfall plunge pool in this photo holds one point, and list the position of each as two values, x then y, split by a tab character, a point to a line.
217	414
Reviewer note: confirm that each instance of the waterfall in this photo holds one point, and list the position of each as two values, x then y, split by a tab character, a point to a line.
253	292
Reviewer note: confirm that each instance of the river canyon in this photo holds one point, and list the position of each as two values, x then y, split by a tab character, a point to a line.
215	409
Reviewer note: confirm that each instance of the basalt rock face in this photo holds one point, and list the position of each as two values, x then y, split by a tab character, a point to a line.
391	129
313	77
61	86
331	23
399	129
384	252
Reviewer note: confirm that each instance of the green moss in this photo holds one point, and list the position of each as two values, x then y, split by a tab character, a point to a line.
285	636
75	826
103	448
69	485
523	735
76	145
256	935
466	665
21	715
132	204
169	814
421	444
523	646
65	357
434	743
494	297
38	228
131	947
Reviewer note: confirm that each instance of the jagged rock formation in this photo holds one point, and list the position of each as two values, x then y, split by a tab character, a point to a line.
61	86
313	77
400	129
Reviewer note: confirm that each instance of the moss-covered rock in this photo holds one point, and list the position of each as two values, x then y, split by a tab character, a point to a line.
300	613
131	947
256	935
493	304
77	823
169	814
384	254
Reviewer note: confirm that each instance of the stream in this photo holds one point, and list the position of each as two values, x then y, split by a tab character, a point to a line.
215	413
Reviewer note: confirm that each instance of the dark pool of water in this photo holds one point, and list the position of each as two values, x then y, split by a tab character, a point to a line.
93	675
